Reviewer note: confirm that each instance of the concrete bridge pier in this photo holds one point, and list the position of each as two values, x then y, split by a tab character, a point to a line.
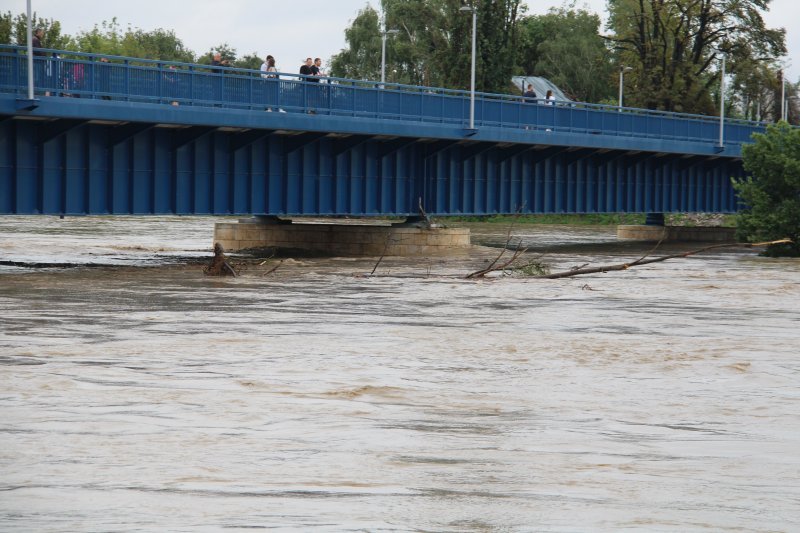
655	229
339	238
654	219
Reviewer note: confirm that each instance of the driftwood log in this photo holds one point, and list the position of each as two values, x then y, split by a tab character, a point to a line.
644	261
496	265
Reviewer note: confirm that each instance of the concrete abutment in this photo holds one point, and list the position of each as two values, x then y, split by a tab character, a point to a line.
349	239
676	233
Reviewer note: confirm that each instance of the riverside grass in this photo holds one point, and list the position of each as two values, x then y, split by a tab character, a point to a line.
601	219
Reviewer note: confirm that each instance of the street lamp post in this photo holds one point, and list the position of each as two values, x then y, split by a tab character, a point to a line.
30	53
722	104
622	71
784	66
474	11
783	91
788	103
383	51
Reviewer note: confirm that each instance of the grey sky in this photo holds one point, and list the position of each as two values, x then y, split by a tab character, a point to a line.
289	30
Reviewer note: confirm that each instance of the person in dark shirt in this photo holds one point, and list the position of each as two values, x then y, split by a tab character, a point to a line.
217	61
46	70
218	83
38	35
306	70
530	94
316	71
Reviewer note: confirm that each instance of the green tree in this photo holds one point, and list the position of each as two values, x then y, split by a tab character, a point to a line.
674	47
52	32
157	44
498	43
565	46
433	46
250	61
109	38
6	27
771	195
361	60
225	50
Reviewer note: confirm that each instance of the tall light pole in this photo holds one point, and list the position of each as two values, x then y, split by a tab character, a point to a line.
784	65
622	71
722	103
383	51
30	53
789	103
474	11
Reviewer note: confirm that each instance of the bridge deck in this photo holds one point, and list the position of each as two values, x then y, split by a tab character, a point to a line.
108	139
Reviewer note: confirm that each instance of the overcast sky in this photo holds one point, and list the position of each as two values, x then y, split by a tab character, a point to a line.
289	30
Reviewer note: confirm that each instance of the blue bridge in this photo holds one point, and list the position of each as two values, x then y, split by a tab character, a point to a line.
115	135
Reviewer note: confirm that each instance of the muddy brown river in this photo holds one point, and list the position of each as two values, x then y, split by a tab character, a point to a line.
136	394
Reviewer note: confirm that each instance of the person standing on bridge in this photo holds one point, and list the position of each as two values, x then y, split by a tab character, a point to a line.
217	61
316	71
322	94
305	69
265	67
530	94
271	73
38	35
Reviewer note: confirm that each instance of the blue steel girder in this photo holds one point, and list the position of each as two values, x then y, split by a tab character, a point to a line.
543	154
52	130
389	147
342	145
513	151
474	149
185	136
244	139
292	143
145	167
436	147
124	132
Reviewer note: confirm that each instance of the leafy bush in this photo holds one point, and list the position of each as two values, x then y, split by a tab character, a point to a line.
771	194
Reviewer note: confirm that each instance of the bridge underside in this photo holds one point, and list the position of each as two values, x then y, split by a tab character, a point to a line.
78	167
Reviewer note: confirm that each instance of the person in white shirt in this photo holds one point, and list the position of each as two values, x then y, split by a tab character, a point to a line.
265	67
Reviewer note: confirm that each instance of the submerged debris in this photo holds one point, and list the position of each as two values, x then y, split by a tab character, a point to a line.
219	265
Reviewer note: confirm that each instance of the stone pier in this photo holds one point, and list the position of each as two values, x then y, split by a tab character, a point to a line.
676	233
356	238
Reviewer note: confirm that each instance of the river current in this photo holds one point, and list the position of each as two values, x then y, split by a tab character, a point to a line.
136	394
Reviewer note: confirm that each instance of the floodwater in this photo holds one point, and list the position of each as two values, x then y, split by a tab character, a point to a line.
138	395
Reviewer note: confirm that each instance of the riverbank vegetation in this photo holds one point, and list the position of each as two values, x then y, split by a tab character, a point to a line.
771	195
601	219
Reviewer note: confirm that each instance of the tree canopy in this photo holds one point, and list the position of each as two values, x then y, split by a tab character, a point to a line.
565	46
771	194
675	47
110	38
433	44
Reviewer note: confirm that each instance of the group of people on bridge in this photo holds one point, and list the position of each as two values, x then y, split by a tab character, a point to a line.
530	96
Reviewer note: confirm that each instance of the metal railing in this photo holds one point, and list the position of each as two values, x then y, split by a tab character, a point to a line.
59	73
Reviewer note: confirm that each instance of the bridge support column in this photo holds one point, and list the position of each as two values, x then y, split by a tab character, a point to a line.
269	220
654	231
352	239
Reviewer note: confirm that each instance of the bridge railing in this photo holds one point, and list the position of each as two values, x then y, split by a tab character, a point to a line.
73	74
